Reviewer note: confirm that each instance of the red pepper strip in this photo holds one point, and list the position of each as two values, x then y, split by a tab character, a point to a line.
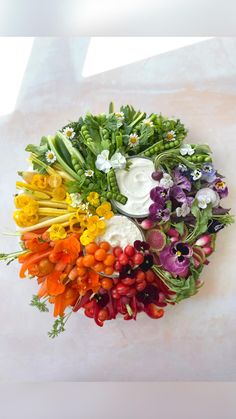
110	307
33	259
134	307
96	312
82	301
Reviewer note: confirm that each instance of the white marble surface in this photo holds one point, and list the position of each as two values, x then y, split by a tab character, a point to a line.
194	341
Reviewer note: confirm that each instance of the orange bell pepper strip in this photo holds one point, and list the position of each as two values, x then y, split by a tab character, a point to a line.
33	259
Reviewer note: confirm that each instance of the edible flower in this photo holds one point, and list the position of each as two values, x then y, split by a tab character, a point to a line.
57	232
208	172
166	181
96	226
89	173
39	181
69	133
50	156
159	194
183	210
118	161
148	122
206	196
87	237
22	200
148	295
220	187
104	210
180	180
120	115
66	251
133	140
175	258
102	162
158	213
141	245
196	174
147	263
170	135
186	149
93	199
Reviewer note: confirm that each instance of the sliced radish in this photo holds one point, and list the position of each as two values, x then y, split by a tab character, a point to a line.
156	239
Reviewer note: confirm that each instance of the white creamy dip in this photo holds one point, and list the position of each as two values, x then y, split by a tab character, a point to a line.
120	231
136	184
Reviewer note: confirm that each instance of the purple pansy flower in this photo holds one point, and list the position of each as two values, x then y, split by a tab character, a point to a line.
159	194
182	181
139	245
175	258
127	271
158	213
220	187
208	172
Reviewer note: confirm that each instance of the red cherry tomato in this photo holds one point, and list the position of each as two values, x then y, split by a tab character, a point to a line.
150	276
129	250
131	292
117	251
123	259
138	258
140	286
103	315
117	266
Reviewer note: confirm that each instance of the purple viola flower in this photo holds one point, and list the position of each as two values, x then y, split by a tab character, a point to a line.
178	194
147	263
220	187
182	181
157	213
208	172
127	271
159	194
148	295
139	245
175	258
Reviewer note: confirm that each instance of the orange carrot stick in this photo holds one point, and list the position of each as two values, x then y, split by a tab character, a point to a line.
33	259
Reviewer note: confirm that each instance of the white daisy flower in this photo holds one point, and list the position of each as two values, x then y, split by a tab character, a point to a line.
89	173
69	133
183	210
50	156
120	115
170	135
196	174
186	149
166	181
103	163
148	122
133	140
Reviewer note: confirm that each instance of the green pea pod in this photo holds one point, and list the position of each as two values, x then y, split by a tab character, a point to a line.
73	152
62	150
61	161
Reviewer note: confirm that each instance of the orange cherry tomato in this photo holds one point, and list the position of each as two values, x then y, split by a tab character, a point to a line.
91	248
79	262
110	260
100	255
88	261
108	270
105	246
45	266
98	267
81	271
106	283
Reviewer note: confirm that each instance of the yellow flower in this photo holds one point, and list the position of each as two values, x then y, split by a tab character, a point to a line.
40	181
93	199
87	237
24	220
82	219
57	232
59	193
22	200
31	208
104	210
75	224
95	225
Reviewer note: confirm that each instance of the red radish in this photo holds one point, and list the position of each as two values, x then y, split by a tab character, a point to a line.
156	239
173	233
203	240
147	224
207	250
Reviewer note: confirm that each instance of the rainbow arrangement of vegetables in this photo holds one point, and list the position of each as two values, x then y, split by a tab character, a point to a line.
117	216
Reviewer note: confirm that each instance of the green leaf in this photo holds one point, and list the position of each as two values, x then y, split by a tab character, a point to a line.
179	227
